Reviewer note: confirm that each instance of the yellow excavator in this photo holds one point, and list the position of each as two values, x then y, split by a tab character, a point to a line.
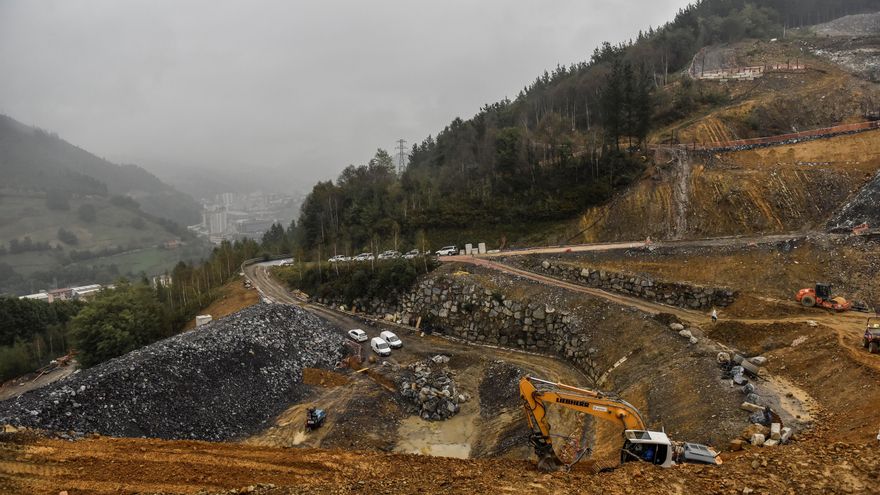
640	444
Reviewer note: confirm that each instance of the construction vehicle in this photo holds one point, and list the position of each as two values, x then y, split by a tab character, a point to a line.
821	297
871	340
315	418
640	444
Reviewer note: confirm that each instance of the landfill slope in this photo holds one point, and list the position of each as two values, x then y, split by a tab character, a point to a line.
862	208
220	382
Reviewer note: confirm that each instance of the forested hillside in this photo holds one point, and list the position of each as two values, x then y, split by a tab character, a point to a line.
70	218
33	159
568	141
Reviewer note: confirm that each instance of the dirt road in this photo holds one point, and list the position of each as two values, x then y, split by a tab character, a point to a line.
612	246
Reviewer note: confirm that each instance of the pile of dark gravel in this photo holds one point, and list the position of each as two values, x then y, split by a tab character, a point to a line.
221	381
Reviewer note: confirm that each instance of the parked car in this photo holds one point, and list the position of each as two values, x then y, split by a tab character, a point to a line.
387	255
338	258
391	339
380	347
364	257
358	335
447	251
415	253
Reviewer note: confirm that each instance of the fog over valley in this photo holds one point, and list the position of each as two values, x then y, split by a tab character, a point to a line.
293	90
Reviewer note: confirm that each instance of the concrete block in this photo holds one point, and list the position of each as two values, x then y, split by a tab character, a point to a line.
775	431
786	435
748	406
771	443
481	248
757	439
468	248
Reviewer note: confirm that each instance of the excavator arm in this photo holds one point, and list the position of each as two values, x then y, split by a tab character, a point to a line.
537	393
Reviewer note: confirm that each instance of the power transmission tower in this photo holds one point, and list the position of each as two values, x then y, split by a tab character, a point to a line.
401	155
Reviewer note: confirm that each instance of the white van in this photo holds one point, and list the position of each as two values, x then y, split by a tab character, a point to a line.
380	347
391	339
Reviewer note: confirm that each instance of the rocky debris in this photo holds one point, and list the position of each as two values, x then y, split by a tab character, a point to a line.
861	209
221	382
430	390
499	388
676	327
851	25
671	293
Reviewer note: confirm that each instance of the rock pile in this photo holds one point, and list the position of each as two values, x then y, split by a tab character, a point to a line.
673	294
430	390
225	380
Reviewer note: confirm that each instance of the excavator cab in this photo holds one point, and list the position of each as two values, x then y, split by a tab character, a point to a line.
646	446
640	444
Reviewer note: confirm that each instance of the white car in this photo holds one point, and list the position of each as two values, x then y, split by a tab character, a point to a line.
380	347
364	257
358	335
412	254
387	255
447	251
338	258
391	339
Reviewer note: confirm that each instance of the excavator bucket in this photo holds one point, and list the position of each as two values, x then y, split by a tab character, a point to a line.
550	463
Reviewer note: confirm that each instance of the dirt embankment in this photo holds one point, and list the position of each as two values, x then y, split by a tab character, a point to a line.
234	297
111	466
764	191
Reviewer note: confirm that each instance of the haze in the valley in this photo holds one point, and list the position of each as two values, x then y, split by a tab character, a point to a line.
287	92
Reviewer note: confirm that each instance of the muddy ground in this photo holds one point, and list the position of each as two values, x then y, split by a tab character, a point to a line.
817	373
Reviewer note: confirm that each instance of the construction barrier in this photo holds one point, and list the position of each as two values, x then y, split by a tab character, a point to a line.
796	136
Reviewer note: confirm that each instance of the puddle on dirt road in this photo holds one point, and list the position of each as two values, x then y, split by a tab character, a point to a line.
450	438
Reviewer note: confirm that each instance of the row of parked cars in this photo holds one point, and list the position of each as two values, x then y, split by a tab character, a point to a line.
387	255
390	255
381	345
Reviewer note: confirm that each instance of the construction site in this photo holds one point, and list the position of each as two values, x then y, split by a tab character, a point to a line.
711	330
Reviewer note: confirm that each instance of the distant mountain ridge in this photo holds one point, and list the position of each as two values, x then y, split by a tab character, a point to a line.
34	159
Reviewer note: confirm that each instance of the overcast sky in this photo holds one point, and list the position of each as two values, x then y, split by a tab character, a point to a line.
306	87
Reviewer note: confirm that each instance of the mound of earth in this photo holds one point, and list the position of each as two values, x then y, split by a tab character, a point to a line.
222	381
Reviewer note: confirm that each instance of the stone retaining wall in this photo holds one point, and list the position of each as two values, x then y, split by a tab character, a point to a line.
673	294
471	312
